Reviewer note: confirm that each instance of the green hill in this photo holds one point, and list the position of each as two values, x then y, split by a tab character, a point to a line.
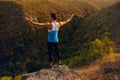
96	36
23	47
22	44
105	22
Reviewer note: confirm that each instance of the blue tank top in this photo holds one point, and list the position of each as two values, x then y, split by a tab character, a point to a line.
53	33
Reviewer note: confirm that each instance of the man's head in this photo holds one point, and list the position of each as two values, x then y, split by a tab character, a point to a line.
53	16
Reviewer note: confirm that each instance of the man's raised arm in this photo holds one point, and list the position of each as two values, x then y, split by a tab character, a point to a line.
45	25
68	20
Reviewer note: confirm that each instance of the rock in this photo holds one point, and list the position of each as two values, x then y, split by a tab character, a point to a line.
111	67
57	72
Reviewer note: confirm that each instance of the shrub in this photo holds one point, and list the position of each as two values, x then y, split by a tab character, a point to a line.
18	77
6	78
102	47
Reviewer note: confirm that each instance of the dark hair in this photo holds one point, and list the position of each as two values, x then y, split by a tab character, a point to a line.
53	15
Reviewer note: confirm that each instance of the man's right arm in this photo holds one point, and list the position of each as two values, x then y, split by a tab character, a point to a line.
68	20
45	25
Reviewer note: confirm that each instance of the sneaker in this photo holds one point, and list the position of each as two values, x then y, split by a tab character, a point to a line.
59	62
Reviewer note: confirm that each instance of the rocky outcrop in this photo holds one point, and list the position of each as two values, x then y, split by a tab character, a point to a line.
112	70
57	72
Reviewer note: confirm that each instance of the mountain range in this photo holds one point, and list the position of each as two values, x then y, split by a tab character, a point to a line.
94	30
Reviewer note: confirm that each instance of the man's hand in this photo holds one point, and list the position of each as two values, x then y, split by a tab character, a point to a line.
72	16
28	19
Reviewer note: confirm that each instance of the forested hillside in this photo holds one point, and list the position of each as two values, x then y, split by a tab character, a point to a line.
23	47
23	44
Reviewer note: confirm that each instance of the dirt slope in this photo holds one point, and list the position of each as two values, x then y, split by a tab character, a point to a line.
107	68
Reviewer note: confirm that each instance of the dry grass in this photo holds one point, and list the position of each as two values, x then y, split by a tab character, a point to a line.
104	3
95	71
38	8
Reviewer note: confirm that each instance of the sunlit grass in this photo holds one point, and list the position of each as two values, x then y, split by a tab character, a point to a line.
95	69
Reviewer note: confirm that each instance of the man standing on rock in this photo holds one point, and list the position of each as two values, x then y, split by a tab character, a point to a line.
53	40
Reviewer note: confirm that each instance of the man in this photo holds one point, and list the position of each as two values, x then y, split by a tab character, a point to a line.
53	40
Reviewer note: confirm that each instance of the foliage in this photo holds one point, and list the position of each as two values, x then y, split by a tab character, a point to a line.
102	47
83	40
90	52
6	78
18	77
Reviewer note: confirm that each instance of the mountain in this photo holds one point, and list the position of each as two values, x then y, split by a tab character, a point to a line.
13	22
22	44
102	23
96	36
23	47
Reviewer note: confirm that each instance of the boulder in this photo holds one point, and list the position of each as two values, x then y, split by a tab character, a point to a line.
57	72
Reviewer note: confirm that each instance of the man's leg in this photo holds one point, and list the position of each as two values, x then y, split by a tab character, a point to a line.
58	53
50	59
